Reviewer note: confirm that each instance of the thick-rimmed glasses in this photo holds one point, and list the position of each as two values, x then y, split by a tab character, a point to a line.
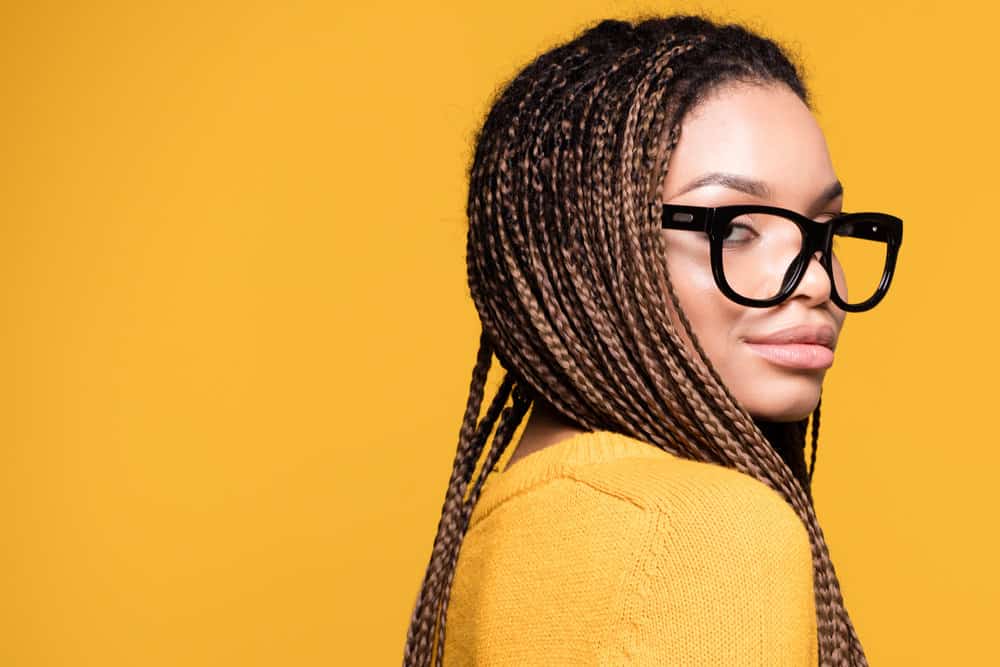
760	253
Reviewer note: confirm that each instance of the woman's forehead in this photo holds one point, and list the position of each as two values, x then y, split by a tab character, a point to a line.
765	133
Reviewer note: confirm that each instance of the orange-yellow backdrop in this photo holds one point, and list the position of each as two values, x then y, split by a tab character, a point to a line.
237	334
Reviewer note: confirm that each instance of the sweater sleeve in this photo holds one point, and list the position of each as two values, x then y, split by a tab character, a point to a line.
723	577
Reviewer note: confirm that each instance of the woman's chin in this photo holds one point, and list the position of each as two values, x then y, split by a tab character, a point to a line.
784	403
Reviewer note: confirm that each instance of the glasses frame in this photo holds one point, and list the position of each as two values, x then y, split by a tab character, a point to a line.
818	236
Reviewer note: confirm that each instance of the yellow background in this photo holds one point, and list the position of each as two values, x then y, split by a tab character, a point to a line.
237	337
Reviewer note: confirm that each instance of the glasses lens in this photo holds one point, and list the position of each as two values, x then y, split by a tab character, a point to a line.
758	250
860	247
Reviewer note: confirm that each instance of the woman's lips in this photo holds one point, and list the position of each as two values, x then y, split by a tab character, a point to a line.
795	355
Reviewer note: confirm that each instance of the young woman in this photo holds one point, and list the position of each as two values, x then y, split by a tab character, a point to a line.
661	262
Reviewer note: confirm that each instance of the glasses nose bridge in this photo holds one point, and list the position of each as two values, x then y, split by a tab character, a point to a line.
815	240
817	237
817	234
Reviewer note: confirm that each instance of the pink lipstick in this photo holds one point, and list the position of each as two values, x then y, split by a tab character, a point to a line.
795	355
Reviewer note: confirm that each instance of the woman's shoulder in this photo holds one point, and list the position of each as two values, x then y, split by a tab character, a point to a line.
724	570
625	471
661	556
662	482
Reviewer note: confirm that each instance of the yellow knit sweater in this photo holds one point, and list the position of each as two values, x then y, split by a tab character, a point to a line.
604	550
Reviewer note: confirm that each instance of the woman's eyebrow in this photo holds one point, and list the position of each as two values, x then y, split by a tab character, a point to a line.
752	187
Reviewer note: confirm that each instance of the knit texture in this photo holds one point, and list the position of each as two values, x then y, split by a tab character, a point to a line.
604	550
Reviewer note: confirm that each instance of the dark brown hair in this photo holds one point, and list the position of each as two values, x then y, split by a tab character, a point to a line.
566	268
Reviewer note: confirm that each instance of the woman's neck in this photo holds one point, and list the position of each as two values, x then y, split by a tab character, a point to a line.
545	426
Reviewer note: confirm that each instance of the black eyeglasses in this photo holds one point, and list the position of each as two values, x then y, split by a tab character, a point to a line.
760	253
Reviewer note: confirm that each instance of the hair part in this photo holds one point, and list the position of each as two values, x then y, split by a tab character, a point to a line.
567	270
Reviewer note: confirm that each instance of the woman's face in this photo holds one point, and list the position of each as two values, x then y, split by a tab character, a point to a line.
764	134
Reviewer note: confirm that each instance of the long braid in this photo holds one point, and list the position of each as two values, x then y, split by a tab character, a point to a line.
566	267
815	438
470	439
509	421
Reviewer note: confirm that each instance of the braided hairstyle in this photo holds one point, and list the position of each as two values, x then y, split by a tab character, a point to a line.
566	266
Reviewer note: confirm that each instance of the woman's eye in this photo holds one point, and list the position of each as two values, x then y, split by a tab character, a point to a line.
738	232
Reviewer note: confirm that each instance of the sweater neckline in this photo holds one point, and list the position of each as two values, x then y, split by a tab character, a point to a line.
583	448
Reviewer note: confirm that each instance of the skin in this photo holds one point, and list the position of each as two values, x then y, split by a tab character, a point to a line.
764	133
